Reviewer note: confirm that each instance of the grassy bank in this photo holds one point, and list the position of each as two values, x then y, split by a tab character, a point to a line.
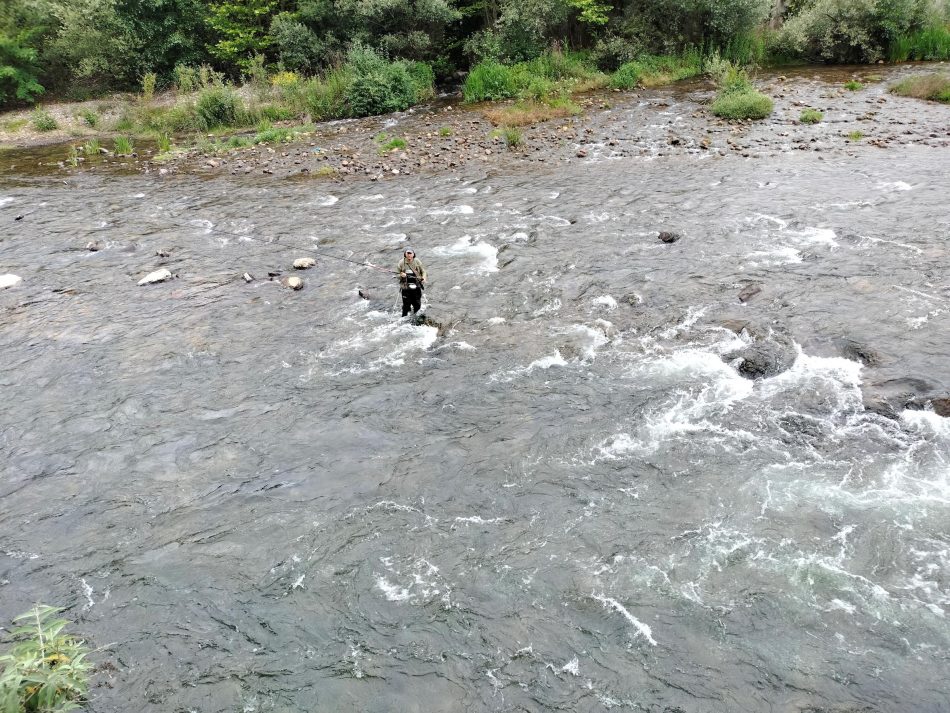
933	87
559	74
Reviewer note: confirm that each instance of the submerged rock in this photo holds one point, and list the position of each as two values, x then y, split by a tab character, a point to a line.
748	292
157	276
668	237
9	280
304	263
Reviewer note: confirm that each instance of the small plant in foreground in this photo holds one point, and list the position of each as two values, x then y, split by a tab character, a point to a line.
164	143
856	135
512	137
123	146
445	131
73	157
45	670
853	85
92	147
44	121
810	116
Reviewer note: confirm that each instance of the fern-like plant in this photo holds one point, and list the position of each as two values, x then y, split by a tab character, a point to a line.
45	670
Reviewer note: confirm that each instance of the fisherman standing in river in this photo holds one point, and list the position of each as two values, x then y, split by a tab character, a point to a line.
412	278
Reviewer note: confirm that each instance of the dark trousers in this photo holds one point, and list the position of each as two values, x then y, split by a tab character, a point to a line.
411	299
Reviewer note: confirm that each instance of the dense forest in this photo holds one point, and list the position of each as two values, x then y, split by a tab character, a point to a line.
80	48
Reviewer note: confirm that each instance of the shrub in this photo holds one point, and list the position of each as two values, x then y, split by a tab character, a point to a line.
186	78
512	137
148	86
423	80
810	116
90	118
742	105
489	81
216	106
43	121
45	670
327	98
853	85
626	77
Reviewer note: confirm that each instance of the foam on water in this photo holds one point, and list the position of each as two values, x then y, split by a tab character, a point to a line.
454	210
6	200
323	201
9	280
471	247
779	256
606	301
544	363
387	344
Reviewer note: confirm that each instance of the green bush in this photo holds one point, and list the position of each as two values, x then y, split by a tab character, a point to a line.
45	670
852	85
810	116
489	81
512	137
18	70
43	121
217	106
626	77
186	78
90	118
423	80
742	105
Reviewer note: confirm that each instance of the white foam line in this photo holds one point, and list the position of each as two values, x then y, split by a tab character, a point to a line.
87	590
611	603
892	242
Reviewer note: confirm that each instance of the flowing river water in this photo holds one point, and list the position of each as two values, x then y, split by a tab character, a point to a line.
567	498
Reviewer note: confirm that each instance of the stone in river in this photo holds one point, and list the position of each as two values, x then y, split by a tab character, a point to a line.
304	263
9	280
157	276
668	237
294	283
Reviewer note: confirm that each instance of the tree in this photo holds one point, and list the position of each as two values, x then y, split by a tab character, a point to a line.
243	28
18	70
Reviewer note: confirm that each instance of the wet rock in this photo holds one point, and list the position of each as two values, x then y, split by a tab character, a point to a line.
856	351
163	252
294	283
748	292
94	246
764	357
888	398
19	217
668	237
304	263
941	406
631	300
157	276
9	280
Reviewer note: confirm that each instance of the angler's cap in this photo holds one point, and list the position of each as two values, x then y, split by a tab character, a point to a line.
408	250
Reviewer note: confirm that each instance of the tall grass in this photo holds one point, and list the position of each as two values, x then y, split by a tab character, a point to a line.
929	44
551	74
123	146
933	87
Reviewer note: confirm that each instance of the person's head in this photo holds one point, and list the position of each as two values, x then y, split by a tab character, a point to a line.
409	254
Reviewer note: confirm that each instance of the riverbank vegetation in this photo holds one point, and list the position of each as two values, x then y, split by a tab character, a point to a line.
738	98
200	67
45	669
933	87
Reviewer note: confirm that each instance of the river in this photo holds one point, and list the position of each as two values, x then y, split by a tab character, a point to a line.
568	498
